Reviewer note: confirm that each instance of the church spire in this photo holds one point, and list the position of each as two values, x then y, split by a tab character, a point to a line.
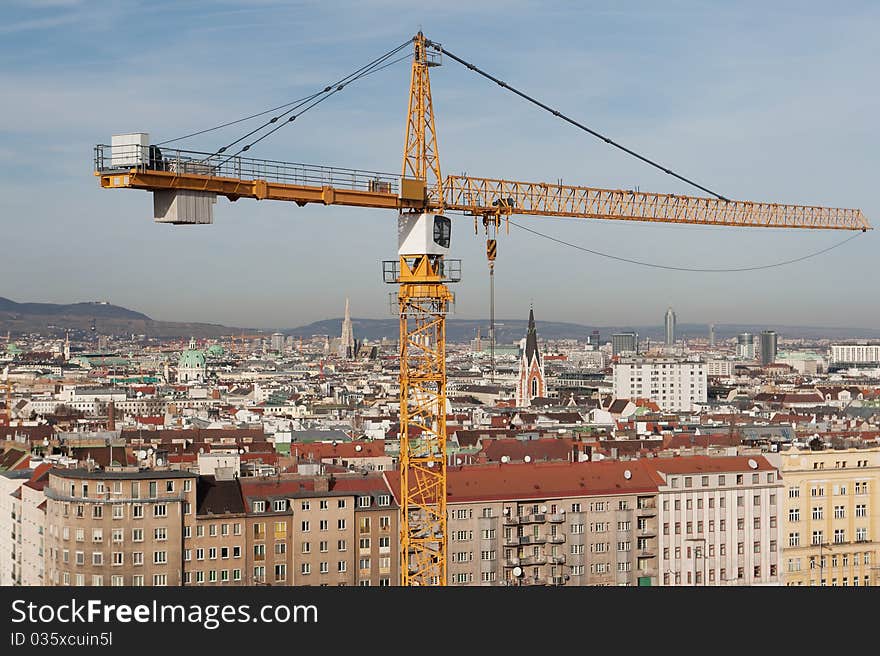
532	338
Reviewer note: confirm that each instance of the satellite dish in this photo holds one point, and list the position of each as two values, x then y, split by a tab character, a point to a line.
505	458
517	571
527	459
241	450
201	449
45	441
753	464
458	461
142	454
358	447
627	474
150	451
543	509
431	463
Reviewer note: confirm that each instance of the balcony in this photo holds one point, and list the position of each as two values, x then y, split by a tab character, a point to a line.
557	580
556	539
647	532
511	562
557	518
557	560
646	552
646	511
534	560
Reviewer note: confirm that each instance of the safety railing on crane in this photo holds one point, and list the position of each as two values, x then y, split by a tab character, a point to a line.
118	159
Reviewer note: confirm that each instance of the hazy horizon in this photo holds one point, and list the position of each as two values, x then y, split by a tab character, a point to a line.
774	106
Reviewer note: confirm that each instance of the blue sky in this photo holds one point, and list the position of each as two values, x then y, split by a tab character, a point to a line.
760	101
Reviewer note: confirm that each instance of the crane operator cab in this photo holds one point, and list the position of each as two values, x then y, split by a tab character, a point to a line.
427	235
423	233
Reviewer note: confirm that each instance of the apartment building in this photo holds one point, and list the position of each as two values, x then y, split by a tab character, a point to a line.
831	516
123	527
672	384
216	547
11	535
32	527
556	523
269	529
377	522
336	531
719	520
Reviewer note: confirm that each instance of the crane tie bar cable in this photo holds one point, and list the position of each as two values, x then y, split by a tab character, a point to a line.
376	65
562	116
689	269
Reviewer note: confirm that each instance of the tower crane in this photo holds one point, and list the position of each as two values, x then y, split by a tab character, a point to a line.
185	185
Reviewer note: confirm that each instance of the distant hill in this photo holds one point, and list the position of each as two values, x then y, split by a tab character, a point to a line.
108	319
89	309
54	319
509	330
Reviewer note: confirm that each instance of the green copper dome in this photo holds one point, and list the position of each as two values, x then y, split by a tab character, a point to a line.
192	359
215	351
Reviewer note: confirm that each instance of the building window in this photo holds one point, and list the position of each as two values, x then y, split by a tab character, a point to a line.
340	524
341	546
280	505
325	568
259	506
340	503
160	510
341	566
794	514
280	573
160	557
818	512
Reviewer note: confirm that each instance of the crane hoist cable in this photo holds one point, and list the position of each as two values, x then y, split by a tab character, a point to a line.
689	269
326	92
577	124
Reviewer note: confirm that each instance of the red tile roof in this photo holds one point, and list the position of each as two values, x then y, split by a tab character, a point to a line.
715	464
320	450
542	480
40	477
540	449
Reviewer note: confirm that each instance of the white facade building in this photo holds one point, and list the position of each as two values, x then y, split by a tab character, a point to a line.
855	353
671	384
723	368
719	522
32	527
10	535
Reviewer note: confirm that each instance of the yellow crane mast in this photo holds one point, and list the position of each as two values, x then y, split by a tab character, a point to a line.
422	197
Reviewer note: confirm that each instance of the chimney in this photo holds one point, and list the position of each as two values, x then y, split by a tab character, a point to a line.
111	416
322	484
614	453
